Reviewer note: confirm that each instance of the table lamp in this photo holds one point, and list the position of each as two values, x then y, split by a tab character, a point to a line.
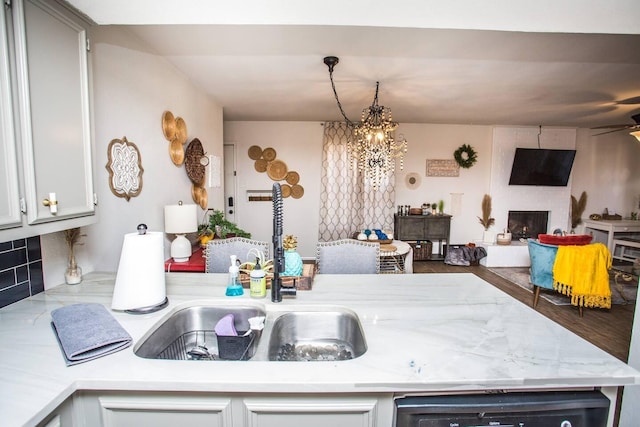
179	220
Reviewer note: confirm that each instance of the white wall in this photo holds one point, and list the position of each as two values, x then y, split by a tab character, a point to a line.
607	169
132	88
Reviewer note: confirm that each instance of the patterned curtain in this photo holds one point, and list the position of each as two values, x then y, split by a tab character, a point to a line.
347	203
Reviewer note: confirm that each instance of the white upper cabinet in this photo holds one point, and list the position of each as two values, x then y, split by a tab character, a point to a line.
9	193
48	50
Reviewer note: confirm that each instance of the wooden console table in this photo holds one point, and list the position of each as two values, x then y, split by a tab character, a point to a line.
613	229
436	228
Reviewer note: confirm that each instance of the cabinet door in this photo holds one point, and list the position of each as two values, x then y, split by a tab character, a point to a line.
438	228
9	195
53	80
314	411
154	409
411	228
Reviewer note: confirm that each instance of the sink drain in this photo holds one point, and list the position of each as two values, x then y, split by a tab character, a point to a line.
314	352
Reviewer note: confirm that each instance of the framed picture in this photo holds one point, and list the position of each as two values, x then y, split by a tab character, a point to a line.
442	167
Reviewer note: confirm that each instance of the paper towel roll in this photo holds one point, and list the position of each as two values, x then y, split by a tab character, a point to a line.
140	279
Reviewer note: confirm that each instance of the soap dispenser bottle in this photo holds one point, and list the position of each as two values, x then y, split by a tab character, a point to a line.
235	287
258	281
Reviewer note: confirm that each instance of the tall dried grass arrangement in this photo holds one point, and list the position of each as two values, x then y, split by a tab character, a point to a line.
486	219
72	237
577	209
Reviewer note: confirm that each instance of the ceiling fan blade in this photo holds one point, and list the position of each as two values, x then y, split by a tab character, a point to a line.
620	127
629	101
611	131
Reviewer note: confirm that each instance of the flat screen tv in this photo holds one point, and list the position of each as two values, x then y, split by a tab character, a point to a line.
541	167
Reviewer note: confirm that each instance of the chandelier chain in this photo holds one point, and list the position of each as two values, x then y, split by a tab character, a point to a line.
335	93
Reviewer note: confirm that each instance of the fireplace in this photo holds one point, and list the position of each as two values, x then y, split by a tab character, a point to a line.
525	224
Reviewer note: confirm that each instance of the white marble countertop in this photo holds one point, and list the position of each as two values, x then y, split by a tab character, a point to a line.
425	333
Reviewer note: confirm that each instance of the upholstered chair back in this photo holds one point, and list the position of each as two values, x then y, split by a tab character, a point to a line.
218	252
542	259
348	256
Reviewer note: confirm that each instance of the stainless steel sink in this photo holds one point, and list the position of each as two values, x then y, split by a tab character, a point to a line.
327	335
188	334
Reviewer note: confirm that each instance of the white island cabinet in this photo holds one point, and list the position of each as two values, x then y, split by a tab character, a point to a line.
46	183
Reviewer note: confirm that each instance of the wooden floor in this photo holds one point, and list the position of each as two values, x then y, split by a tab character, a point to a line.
608	329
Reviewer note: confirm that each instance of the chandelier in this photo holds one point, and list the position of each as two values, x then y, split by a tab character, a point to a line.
374	150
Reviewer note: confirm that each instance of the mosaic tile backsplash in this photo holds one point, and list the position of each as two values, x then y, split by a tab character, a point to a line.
20	270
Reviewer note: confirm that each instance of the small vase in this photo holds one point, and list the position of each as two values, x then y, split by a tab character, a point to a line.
73	273
292	263
488	237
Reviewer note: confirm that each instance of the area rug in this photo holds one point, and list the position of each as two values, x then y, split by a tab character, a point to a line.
520	277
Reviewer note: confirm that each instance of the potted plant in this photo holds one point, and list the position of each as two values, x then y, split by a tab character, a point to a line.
441	207
224	228
486	219
205	233
434	206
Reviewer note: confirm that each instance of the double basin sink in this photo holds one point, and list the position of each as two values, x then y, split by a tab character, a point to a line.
301	334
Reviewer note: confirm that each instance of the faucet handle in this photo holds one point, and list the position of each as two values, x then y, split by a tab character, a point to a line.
289	291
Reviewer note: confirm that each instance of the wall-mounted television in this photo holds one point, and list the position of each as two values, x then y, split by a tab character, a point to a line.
541	167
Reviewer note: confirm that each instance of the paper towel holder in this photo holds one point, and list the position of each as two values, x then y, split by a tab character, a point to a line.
140	282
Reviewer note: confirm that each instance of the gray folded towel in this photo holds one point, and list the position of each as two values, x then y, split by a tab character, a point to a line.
87	331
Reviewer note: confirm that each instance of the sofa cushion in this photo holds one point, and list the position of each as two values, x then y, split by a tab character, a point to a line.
571	239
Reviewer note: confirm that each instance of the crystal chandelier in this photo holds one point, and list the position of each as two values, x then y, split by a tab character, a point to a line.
375	150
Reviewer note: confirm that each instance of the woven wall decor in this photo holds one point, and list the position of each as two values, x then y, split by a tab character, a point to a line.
125	168
266	161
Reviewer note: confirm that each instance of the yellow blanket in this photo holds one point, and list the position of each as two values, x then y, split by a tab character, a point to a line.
582	272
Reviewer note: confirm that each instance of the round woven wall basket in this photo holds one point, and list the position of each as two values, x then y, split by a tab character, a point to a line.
194	167
181	130
260	165
168	125
277	170
176	152
255	152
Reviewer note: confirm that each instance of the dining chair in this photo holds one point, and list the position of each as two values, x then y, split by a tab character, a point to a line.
348	256
218	252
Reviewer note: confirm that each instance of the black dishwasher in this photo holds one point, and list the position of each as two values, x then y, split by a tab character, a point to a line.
518	409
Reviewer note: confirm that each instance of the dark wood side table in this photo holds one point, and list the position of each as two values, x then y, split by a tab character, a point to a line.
194	265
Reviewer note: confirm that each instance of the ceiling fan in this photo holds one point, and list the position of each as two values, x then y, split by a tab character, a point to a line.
618	128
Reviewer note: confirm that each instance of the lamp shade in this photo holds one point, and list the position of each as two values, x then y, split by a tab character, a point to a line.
140	282
180	219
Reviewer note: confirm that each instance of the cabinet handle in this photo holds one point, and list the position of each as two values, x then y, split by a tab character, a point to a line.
52	202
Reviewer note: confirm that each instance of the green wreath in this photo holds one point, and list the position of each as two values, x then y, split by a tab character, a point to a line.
468	160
